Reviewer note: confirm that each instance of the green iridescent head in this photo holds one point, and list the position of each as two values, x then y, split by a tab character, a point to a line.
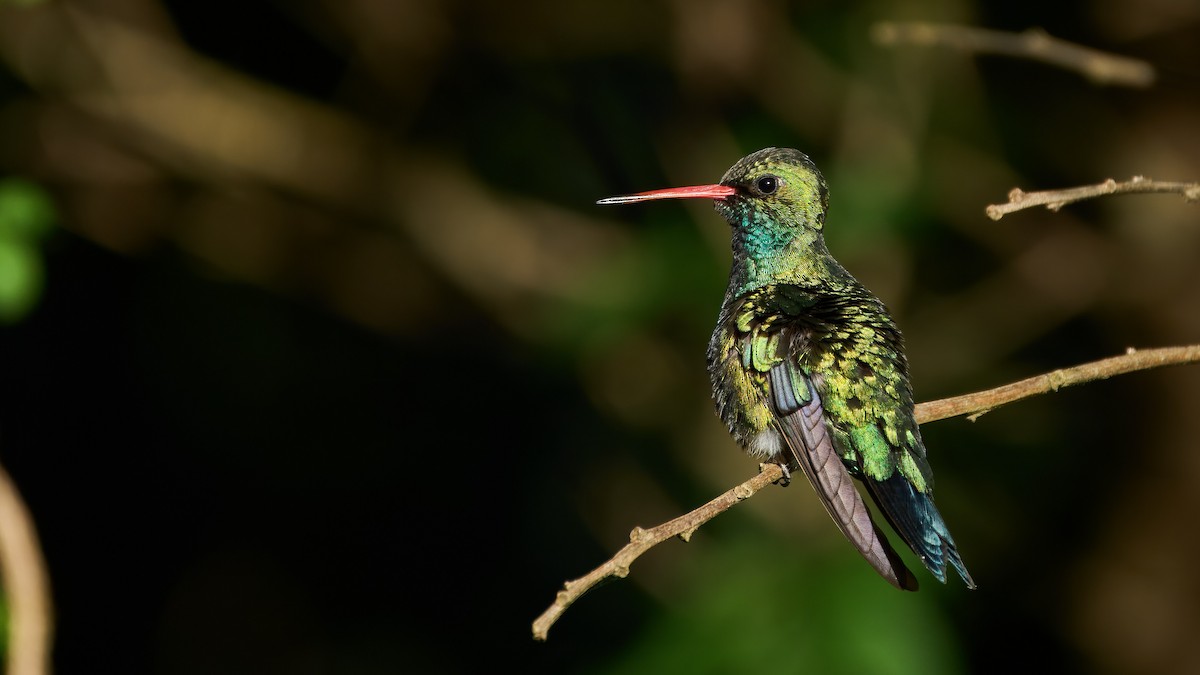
775	188
775	201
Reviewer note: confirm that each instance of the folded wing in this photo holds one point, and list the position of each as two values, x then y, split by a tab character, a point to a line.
800	419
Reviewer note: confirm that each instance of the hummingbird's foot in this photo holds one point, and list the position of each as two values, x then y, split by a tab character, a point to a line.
786	479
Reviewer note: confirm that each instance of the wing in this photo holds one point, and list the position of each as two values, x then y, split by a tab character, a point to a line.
763	390
800	419
824	385
866	409
869	408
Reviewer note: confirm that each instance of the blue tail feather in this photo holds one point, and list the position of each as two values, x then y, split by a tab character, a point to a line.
914	515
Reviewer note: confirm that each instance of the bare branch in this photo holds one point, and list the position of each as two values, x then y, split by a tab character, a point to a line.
1035	44
642	540
974	405
977	404
1056	199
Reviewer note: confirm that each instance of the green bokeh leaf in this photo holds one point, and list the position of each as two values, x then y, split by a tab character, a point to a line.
20	279
26	211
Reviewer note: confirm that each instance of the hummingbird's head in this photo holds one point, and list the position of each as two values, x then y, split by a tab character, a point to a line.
772	196
775	201
778	192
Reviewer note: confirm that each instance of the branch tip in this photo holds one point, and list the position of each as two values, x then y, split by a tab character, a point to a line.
1056	199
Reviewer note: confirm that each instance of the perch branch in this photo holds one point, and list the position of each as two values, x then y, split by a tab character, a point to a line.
642	540
980	403
1034	43
1056	199
973	405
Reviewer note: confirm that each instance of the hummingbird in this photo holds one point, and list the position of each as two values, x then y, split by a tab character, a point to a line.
808	367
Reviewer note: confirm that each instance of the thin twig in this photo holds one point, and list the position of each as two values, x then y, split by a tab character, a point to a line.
1100	67
26	586
977	404
1056	199
642	540
973	405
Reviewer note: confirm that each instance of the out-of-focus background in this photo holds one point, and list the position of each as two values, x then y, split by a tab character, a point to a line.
318	356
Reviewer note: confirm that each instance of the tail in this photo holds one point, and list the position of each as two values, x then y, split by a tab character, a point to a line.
914	515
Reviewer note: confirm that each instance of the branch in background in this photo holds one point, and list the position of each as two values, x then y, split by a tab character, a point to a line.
219	127
1056	199
973	405
1035	44
26	586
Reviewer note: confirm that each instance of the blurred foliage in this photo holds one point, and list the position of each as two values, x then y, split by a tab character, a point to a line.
798	614
337	367
5	624
25	217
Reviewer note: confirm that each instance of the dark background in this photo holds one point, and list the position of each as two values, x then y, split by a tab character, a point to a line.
336	368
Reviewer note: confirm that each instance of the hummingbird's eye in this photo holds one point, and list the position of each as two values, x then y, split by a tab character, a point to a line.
768	184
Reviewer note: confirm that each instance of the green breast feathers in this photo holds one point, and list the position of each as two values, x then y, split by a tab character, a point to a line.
848	350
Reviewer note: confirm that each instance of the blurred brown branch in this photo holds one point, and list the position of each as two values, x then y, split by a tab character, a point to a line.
219	127
1056	199
26	586
1034	43
972	405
